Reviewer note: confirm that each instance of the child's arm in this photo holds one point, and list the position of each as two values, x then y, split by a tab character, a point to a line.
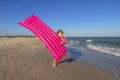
64	40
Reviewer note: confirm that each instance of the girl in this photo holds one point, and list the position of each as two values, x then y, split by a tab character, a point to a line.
60	34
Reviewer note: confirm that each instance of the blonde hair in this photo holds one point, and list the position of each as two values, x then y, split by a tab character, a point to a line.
59	31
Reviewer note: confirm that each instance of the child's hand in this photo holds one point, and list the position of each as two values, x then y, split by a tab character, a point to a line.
64	40
62	43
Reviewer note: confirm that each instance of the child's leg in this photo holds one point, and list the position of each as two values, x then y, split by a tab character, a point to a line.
54	63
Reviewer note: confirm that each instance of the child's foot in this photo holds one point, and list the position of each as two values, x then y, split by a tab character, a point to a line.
58	64
54	65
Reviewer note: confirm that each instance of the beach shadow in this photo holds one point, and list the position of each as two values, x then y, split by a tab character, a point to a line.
73	55
68	60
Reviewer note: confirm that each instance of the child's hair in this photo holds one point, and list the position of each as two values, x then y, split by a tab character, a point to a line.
59	31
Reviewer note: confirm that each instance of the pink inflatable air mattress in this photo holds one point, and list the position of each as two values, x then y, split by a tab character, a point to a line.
46	35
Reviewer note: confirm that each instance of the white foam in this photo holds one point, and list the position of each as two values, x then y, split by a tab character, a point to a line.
71	41
89	40
113	51
77	42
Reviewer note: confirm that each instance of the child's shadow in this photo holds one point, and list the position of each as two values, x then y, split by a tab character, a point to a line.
69	60
74	55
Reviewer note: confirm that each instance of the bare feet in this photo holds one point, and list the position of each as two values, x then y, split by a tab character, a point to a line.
58	63
54	65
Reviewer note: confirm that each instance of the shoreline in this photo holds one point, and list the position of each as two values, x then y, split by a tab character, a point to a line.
28	59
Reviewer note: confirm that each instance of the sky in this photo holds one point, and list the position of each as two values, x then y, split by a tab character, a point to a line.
77	18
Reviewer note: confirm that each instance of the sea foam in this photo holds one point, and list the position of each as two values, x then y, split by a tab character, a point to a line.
109	50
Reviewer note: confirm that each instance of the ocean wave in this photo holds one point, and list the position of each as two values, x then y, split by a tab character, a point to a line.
76	43
109	50
117	43
89	40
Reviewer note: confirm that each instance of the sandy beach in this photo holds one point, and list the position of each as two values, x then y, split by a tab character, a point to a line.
28	59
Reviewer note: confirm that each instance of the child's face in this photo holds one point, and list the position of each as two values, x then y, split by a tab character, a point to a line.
60	34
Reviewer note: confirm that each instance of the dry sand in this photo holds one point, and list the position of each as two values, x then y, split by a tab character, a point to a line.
28	59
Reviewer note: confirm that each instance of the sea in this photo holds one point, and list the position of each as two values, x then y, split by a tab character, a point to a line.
103	52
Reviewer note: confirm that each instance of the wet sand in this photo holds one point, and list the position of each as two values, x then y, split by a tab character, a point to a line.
28	59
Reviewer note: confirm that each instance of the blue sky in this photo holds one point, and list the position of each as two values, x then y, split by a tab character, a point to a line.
75	17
